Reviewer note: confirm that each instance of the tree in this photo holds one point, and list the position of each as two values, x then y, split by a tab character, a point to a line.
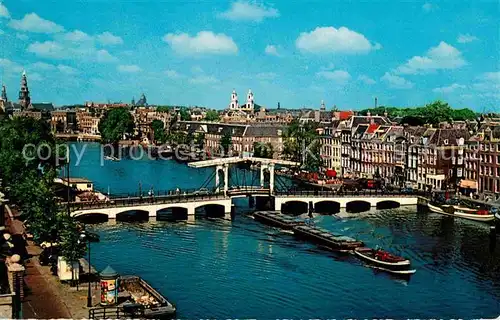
199	140
226	141
115	124
159	131
212	116
72	248
163	109
263	150
312	161
185	115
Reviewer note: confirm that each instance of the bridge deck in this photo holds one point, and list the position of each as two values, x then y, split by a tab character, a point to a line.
232	160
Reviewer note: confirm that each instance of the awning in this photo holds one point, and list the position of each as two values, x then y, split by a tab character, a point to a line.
331	173
468	184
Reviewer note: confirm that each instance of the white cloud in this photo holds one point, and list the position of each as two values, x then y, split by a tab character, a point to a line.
33	23
266	76
271	50
22	36
10	66
129	68
442	57
249	11
396	82
57	50
449	89
75	36
428	7
490	76
203	79
338	76
66	69
42	66
329	66
104	56
4	12
109	39
366	79
196	69
172	74
332	40
205	42
48	49
488	84
35	76
466	38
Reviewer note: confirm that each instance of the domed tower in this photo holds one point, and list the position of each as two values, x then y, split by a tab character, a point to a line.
24	93
249	106
233	105
323	107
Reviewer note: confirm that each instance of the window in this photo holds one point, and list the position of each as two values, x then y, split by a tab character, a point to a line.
445	142
89	185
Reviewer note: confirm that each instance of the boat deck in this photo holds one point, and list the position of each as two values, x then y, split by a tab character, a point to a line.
326	238
276	219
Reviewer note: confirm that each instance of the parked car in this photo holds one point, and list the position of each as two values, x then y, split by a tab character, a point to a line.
202	191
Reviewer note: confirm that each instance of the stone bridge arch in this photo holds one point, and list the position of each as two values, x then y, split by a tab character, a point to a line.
327	207
295	207
358	206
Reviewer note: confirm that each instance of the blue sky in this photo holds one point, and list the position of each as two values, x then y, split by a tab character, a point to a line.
295	52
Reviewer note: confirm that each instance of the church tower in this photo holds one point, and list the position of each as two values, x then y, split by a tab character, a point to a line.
249	106
24	93
322	108
233	105
4	94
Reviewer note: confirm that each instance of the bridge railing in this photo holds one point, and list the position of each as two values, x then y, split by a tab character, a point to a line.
135	201
345	193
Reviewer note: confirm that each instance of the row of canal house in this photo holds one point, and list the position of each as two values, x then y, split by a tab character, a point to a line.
243	136
482	160
372	146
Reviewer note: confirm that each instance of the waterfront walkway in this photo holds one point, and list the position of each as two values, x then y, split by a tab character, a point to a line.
47	298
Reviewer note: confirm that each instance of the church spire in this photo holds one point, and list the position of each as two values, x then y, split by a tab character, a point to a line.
4	94
24	93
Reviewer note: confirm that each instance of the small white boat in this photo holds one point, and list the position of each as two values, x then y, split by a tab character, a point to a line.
450	210
111	158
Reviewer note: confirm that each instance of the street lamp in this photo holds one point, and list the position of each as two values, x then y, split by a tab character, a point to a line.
84	236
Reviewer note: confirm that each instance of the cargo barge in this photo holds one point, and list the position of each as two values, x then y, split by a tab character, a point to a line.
276	219
326	239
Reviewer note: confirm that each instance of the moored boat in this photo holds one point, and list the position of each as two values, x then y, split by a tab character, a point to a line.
326	239
383	260
141	300
450	210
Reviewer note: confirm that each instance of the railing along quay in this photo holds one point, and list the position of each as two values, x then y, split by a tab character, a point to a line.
127	202
343	194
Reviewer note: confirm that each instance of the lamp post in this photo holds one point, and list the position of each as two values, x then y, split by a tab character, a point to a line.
86	237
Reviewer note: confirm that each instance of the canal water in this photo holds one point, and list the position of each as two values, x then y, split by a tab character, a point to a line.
215	268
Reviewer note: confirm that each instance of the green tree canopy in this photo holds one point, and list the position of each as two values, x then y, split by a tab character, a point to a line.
114	124
28	178
263	150
212	115
185	115
159	131
226	141
432	113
